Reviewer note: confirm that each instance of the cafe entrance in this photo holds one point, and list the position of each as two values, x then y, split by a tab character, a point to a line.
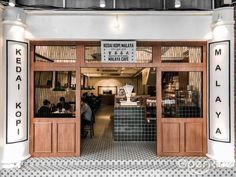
61	72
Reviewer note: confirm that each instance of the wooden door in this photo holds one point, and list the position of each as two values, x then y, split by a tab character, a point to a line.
181	133
57	133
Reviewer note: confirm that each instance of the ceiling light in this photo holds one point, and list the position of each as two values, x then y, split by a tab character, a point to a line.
12	3
177	3
102	3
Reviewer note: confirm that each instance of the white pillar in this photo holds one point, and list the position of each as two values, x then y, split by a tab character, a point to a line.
14	70
221	87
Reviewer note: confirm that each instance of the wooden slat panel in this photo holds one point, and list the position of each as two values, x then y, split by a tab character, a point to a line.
193	137
66	134
43	137
171	137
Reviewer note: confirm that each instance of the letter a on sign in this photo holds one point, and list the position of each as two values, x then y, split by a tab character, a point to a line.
218	131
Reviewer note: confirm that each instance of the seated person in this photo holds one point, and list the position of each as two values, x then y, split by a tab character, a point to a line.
63	106
45	110
86	116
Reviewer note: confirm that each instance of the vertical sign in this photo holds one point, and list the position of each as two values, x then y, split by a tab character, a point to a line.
219	91
16	91
118	51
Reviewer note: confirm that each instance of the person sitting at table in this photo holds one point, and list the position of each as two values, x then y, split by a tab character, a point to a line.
86	115
63	105
45	110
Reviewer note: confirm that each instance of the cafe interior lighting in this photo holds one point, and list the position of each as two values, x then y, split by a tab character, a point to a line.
177	3
12	3
102	3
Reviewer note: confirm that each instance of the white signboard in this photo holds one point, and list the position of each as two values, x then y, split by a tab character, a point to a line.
16	92
219	91
118	51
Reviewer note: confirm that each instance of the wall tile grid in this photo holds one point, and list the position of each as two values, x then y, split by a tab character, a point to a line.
130	125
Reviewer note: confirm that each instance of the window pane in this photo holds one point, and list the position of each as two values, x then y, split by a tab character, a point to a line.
190	4
176	54
182	94
144	54
49	100
93	54
57	54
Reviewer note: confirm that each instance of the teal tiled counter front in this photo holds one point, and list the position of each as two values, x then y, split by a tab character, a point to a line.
130	125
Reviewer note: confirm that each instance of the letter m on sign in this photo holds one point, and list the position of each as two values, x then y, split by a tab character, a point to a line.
217	52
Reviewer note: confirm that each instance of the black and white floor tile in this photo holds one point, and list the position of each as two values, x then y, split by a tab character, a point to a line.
101	157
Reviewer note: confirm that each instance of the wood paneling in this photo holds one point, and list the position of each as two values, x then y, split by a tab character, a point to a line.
171	137
174	136
66	136
193	137
42	137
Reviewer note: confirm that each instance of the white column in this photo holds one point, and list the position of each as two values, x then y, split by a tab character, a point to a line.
1	81
221	87
14	71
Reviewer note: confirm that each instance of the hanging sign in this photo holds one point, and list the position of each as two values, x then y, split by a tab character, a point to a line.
219	91
16	91
118	51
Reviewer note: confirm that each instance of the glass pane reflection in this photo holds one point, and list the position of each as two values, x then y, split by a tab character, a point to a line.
182	94
55	100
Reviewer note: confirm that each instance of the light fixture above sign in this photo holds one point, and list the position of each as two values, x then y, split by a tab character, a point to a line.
12	3
118	51
177	3
102	3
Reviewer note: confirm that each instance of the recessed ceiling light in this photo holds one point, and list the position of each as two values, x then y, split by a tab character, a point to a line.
12	3
177	3
102	3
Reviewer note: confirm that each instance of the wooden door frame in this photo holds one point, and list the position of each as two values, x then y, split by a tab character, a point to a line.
156	63
178	67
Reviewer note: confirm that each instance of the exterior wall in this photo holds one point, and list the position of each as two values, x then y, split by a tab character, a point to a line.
158	26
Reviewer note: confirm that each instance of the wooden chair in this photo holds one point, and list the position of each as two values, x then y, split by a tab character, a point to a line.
90	127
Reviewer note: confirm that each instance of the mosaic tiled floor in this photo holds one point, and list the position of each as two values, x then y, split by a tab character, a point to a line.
101	157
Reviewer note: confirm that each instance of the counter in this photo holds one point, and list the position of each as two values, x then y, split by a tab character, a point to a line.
130	125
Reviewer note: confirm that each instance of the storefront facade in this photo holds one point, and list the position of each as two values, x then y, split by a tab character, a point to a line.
213	32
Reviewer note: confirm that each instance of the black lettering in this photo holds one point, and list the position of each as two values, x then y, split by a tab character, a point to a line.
218	114
217	52
18	60
18	122
218	68
218	99
18	51
218	131
18	114
18	78
18	131
18	105
18	69
217	84
18	86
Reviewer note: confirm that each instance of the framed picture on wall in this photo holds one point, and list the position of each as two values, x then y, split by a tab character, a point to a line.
107	90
